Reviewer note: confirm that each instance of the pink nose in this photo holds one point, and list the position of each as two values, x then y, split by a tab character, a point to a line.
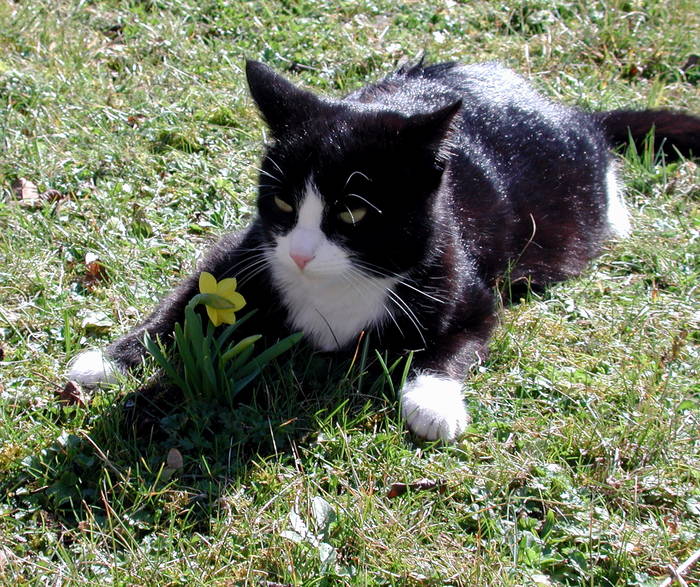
301	259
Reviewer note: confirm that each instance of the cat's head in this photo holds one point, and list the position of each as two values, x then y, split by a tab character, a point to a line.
345	183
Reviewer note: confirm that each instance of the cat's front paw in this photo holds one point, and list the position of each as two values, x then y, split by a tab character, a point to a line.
433	408
91	368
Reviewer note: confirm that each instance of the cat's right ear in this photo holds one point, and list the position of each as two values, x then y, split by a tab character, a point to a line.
283	105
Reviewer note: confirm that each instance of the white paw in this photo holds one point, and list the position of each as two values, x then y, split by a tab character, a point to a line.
433	407
91	368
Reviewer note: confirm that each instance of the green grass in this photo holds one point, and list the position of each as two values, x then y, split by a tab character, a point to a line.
581	463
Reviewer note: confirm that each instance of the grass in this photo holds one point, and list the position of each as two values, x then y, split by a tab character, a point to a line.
581	463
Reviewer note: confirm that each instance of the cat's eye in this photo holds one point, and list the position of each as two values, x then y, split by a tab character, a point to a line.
353	216
282	205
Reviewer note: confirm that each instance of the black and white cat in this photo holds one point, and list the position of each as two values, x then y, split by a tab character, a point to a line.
400	209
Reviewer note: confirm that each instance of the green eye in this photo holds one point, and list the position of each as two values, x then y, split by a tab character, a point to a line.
282	205
353	216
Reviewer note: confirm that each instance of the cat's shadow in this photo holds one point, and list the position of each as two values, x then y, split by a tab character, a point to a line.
154	441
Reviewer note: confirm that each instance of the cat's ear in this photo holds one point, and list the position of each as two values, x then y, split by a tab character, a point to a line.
432	129
283	105
425	132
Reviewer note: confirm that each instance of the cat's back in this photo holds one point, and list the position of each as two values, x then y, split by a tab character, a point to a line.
502	113
490	86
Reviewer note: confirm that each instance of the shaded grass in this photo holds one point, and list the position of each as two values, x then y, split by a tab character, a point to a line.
581	460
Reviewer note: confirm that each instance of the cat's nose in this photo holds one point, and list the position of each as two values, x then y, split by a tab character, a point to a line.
301	259
303	244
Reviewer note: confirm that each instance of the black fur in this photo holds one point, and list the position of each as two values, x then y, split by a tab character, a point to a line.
473	178
674	133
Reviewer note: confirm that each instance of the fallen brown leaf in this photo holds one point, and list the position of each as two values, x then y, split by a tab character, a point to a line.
71	395
95	271
135	120
53	196
397	489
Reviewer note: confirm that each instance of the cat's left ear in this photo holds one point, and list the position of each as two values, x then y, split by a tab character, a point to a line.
283	105
432	129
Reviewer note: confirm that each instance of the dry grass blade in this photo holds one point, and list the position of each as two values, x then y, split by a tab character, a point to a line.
678	573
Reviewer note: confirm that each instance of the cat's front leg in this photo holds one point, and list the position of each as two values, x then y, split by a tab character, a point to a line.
96	366
432	400
226	259
433	407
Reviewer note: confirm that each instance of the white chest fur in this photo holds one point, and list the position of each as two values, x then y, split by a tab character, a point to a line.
332	312
328	299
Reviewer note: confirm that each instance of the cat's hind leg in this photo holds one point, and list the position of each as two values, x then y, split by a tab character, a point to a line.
618	216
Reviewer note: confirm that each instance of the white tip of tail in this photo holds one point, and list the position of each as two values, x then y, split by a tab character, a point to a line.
91	368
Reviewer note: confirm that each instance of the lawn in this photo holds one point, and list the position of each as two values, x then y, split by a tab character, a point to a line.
128	143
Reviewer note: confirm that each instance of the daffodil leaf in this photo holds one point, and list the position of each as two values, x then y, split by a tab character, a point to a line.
193	331
240	347
226	334
241	382
272	353
241	359
208	367
162	361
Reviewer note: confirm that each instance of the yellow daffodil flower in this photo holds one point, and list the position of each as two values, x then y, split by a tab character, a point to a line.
226	289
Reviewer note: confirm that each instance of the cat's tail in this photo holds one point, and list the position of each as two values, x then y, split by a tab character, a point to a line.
675	134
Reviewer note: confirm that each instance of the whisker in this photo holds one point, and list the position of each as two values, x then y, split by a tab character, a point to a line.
353	174
252	269
267	174
400	303
403	279
410	314
262	267
366	201
260	255
271	160
354	284
330	329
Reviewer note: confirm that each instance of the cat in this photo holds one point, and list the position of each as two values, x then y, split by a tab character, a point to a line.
401	209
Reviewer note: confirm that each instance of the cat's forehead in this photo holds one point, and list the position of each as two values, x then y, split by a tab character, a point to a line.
332	190
328	176
333	149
